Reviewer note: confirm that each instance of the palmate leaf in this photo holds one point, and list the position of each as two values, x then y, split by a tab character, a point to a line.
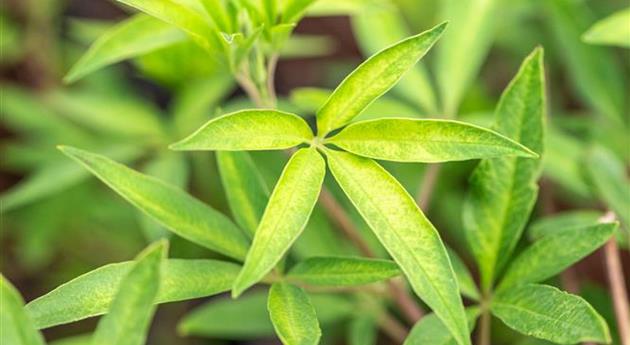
462	52
293	315
553	253
170	206
612	30
91	293
130	312
430	330
428	141
406	233
373	78
16	324
503	190
247	193
248	130
342	271
286	215
545	312
132	37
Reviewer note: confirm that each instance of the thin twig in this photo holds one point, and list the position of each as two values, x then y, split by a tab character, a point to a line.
425	191
392	327
617	284
272	63
250	89
483	334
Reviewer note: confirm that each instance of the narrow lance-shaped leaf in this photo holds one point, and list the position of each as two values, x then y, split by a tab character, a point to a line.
553	253
130	312
342	271
503	190
376	29
562	221
545	312
293	315
292	10
247	193
466	282
248	130
373	78
172	207
429	141
17	326
363	330
132	37
612	30
464	48
286	215
430	330
406	233
91	294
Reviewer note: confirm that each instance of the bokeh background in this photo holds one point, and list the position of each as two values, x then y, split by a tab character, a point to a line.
57	222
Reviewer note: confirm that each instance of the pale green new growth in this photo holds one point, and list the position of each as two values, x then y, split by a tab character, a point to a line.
16	327
342	271
286	215
406	233
553	253
428	141
249	130
130	312
293	315
246	191
91	294
430	330
373	78
132	37
503	190
292	10
612	30
545	312
172	207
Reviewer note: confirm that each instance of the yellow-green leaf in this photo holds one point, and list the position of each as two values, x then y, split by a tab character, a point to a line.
342	271
293	315
612	30
545	312
91	293
430	330
406	233
286	215
373	78
17	326
130	312
248	130
170	206
429	141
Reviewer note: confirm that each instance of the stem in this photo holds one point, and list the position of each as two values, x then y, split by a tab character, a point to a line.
393	328
483	335
272	63
250	89
425	191
617	284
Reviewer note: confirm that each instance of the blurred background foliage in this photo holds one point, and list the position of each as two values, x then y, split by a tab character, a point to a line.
58	222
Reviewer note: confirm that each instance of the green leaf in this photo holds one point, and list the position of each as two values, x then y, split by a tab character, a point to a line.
246	190
503	190
464	47
293	315
130	312
219	14
362	330
373	78
429	141
376	29
561	221
286	215
553	253
247	317
430	330
466	282
132	37
342	271
545	312
170	206
612	30
17	326
406	233
609	178
91	293
248	130
184	16
293	10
